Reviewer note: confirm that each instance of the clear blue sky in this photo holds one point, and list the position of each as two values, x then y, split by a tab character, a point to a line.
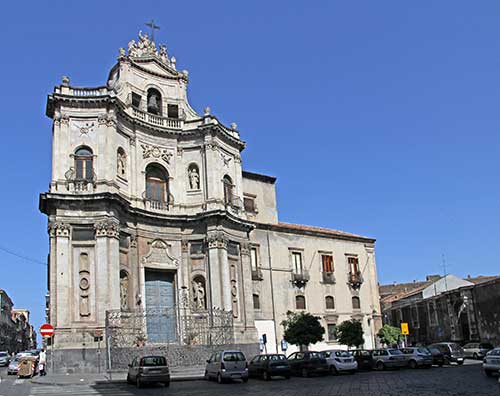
378	117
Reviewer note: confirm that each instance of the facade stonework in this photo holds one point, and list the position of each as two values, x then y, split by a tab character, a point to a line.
149	205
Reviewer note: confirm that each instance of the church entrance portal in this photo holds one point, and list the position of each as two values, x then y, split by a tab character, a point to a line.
160	304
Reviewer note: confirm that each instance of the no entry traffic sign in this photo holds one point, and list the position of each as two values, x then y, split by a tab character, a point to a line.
46	330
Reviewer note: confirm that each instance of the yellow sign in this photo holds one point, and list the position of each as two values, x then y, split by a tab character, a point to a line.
404	328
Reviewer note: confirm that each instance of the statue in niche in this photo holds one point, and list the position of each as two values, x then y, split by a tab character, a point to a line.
198	294
194	179
124	291
121	164
153	104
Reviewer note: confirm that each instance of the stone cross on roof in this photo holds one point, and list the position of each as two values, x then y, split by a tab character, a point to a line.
153	27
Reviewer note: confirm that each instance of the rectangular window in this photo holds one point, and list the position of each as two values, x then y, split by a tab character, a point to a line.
124	241
173	111
254	259
232	249
83	234
196	248
353	265
297	262
332	331
327	261
136	100
249	204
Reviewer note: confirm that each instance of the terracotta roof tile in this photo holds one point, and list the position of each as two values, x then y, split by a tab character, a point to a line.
301	227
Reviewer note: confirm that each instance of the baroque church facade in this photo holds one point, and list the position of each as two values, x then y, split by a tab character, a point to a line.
149	205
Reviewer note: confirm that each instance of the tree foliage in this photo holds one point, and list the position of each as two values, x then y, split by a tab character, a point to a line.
389	335
302	329
350	333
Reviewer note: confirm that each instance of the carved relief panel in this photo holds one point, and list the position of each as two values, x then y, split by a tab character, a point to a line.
84	285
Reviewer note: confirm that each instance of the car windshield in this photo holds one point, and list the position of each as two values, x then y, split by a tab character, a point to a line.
314	355
455	347
234	357
152	361
342	354
483	346
3	354
424	351
277	357
395	352
433	350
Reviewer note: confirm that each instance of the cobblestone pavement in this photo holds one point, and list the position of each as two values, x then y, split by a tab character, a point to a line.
446	381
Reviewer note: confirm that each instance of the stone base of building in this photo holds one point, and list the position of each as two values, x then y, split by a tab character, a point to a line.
87	361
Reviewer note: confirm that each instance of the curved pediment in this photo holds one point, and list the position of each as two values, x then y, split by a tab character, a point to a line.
160	256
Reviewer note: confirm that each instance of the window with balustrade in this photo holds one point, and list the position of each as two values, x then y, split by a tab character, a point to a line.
84	159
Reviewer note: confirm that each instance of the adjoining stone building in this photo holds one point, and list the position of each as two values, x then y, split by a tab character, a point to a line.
149	210
447	309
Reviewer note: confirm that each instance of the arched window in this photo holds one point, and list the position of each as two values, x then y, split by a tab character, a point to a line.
228	190
83	164
329	302
256	301
300	302
156	183
356	303
154	101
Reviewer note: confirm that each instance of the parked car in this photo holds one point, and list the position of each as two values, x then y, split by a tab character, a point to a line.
4	359
476	350
417	357
13	367
437	356
388	358
340	361
227	365
307	363
364	358
147	370
270	365
453	353
491	362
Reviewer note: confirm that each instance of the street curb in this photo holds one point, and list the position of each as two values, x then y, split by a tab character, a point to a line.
115	381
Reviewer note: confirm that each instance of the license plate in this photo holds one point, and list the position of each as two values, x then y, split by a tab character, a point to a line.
460	359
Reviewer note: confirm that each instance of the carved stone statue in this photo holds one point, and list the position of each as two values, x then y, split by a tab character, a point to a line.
153	106
132	48
121	164
198	294
194	179
124	292
163	53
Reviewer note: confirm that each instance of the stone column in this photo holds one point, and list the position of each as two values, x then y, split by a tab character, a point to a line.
60	274
108	263
216	242
226	277
183	266
246	285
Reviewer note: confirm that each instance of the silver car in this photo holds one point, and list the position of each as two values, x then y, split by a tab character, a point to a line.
340	361
147	370
491	362
13	367
227	365
476	350
417	357
4	359
388	358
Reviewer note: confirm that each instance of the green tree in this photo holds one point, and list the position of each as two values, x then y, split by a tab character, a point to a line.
302	329
350	333
389	335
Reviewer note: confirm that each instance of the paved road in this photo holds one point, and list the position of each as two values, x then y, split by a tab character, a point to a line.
446	381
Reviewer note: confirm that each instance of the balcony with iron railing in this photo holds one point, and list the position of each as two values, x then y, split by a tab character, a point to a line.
355	279
300	278
328	277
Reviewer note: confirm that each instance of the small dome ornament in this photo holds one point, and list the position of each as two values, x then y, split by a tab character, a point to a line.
65	81
206	111
234	126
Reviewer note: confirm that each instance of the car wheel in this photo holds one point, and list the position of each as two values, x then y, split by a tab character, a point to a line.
129	380
380	366
412	364
266	376
166	384
138	382
245	380
488	373
304	373
287	376
446	360
219	379
333	370
206	376
460	363
475	357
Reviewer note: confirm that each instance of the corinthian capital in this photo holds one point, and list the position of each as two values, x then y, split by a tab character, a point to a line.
107	228
58	229
217	239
